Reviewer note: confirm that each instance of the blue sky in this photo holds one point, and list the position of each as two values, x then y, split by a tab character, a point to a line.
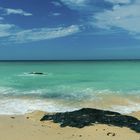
69	29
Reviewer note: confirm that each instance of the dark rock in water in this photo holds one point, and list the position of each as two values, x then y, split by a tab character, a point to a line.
39	73
87	116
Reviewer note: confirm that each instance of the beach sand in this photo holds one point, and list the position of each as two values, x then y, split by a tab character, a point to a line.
28	127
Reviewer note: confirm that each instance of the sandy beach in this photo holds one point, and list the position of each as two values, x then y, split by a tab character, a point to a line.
29	127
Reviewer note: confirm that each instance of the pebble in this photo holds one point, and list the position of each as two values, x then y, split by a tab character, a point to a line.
111	134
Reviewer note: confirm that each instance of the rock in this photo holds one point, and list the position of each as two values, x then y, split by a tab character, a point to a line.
88	116
111	134
38	73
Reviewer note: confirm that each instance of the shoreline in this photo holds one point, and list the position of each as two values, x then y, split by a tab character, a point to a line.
122	104
29	127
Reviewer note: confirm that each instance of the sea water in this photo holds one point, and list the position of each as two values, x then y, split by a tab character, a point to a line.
69	85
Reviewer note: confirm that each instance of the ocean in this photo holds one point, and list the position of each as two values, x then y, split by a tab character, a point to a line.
69	85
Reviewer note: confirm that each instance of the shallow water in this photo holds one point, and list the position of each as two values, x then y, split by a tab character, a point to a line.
69	85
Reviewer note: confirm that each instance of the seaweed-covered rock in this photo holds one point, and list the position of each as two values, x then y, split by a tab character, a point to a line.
88	116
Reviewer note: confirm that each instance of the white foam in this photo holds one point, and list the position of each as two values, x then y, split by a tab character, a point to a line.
7	90
126	109
22	106
18	106
13	91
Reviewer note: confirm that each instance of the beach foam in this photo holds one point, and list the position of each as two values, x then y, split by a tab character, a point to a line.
127	109
22	106
19	106
21	101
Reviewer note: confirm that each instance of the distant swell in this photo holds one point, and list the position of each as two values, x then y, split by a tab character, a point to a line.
65	92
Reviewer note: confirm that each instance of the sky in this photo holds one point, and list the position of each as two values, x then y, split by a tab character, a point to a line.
69	29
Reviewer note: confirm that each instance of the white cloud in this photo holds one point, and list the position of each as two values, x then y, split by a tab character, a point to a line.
76	4
126	17
56	14
9	11
119	1
15	35
1	18
56	3
44	33
5	30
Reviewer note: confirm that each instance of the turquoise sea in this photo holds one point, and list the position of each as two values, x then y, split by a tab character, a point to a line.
69	85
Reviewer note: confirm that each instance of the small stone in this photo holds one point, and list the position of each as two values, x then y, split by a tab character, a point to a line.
111	134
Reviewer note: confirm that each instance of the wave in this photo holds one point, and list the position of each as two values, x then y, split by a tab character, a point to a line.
66	92
66	98
58	92
18	106
126	109
23	106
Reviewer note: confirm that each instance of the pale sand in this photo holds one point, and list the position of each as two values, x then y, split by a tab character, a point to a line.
29	127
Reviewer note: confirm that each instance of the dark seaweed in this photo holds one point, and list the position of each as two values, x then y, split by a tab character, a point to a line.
88	116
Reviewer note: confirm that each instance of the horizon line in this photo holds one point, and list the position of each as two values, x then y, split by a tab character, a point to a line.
71	60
